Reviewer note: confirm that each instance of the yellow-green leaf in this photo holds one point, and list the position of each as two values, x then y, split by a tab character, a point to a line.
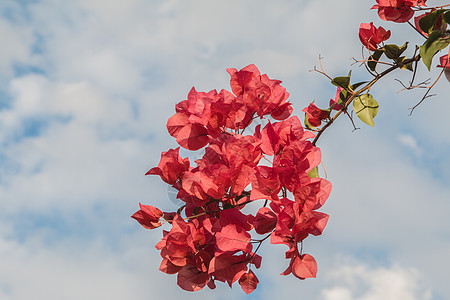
366	108
314	173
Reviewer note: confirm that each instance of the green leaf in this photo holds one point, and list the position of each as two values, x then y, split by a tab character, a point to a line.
373	59
307	125
408	66
342	81
393	51
180	209
343	95
356	85
227	206
314	173
428	22
196	210
436	41
366	108
447	16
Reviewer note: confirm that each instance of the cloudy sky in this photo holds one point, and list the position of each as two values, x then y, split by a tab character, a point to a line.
86	87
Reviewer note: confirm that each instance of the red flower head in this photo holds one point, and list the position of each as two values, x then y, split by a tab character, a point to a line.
171	167
371	36
334	102
445	62
259	93
315	115
398	11
148	216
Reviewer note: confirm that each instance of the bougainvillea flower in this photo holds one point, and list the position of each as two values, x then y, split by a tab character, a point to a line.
334	103
171	167
240	80
304	266
234	216
398	11
176	123
193	136
233	237
282	112
309	222
314	194
315	114
291	129
418	2
148	216
444	62
209	239
301	155
270	140
372	36
265	220
230	232
265	184
191	279
228	268
437	25
241	150
168	267
191	184
248	282
259	93
184	249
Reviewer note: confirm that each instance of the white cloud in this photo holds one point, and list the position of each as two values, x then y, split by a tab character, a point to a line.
360	282
410	142
17	48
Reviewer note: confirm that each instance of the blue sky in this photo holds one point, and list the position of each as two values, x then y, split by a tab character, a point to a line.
86	87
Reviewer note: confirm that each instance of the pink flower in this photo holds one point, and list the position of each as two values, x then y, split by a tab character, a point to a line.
148	216
398	11
445	62
315	114
371	36
171	167
334	102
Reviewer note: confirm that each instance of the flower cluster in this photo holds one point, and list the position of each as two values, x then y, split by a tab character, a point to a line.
213	236
399	11
371	36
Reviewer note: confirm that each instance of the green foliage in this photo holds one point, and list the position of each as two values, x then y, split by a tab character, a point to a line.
342	81
428	22
447	16
366	108
373	59
436	41
314	173
393	51
307	124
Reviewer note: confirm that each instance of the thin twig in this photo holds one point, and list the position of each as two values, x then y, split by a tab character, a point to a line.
426	94
357	93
